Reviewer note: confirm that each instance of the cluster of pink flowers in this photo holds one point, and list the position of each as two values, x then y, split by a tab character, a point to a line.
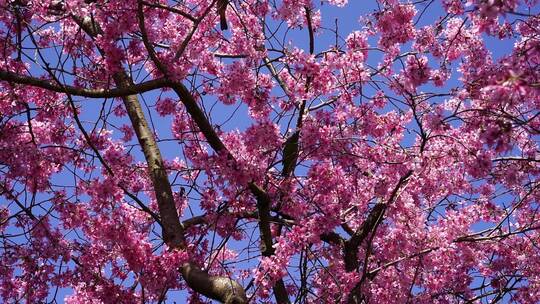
395	23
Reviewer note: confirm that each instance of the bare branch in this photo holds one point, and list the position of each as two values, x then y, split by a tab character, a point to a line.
84	92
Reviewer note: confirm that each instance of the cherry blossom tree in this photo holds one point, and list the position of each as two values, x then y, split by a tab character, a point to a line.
254	151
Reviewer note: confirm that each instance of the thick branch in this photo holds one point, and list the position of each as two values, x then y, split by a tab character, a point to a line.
267	250
352	244
84	92
373	219
173	232
290	154
369	226
172	228
222	289
199	118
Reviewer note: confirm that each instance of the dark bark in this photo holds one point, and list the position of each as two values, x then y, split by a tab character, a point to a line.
368	228
52	85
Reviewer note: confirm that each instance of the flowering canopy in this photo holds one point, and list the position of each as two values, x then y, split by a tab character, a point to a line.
253	151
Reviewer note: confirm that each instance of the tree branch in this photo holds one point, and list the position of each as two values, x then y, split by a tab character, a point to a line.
131	89
369	226
267	250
